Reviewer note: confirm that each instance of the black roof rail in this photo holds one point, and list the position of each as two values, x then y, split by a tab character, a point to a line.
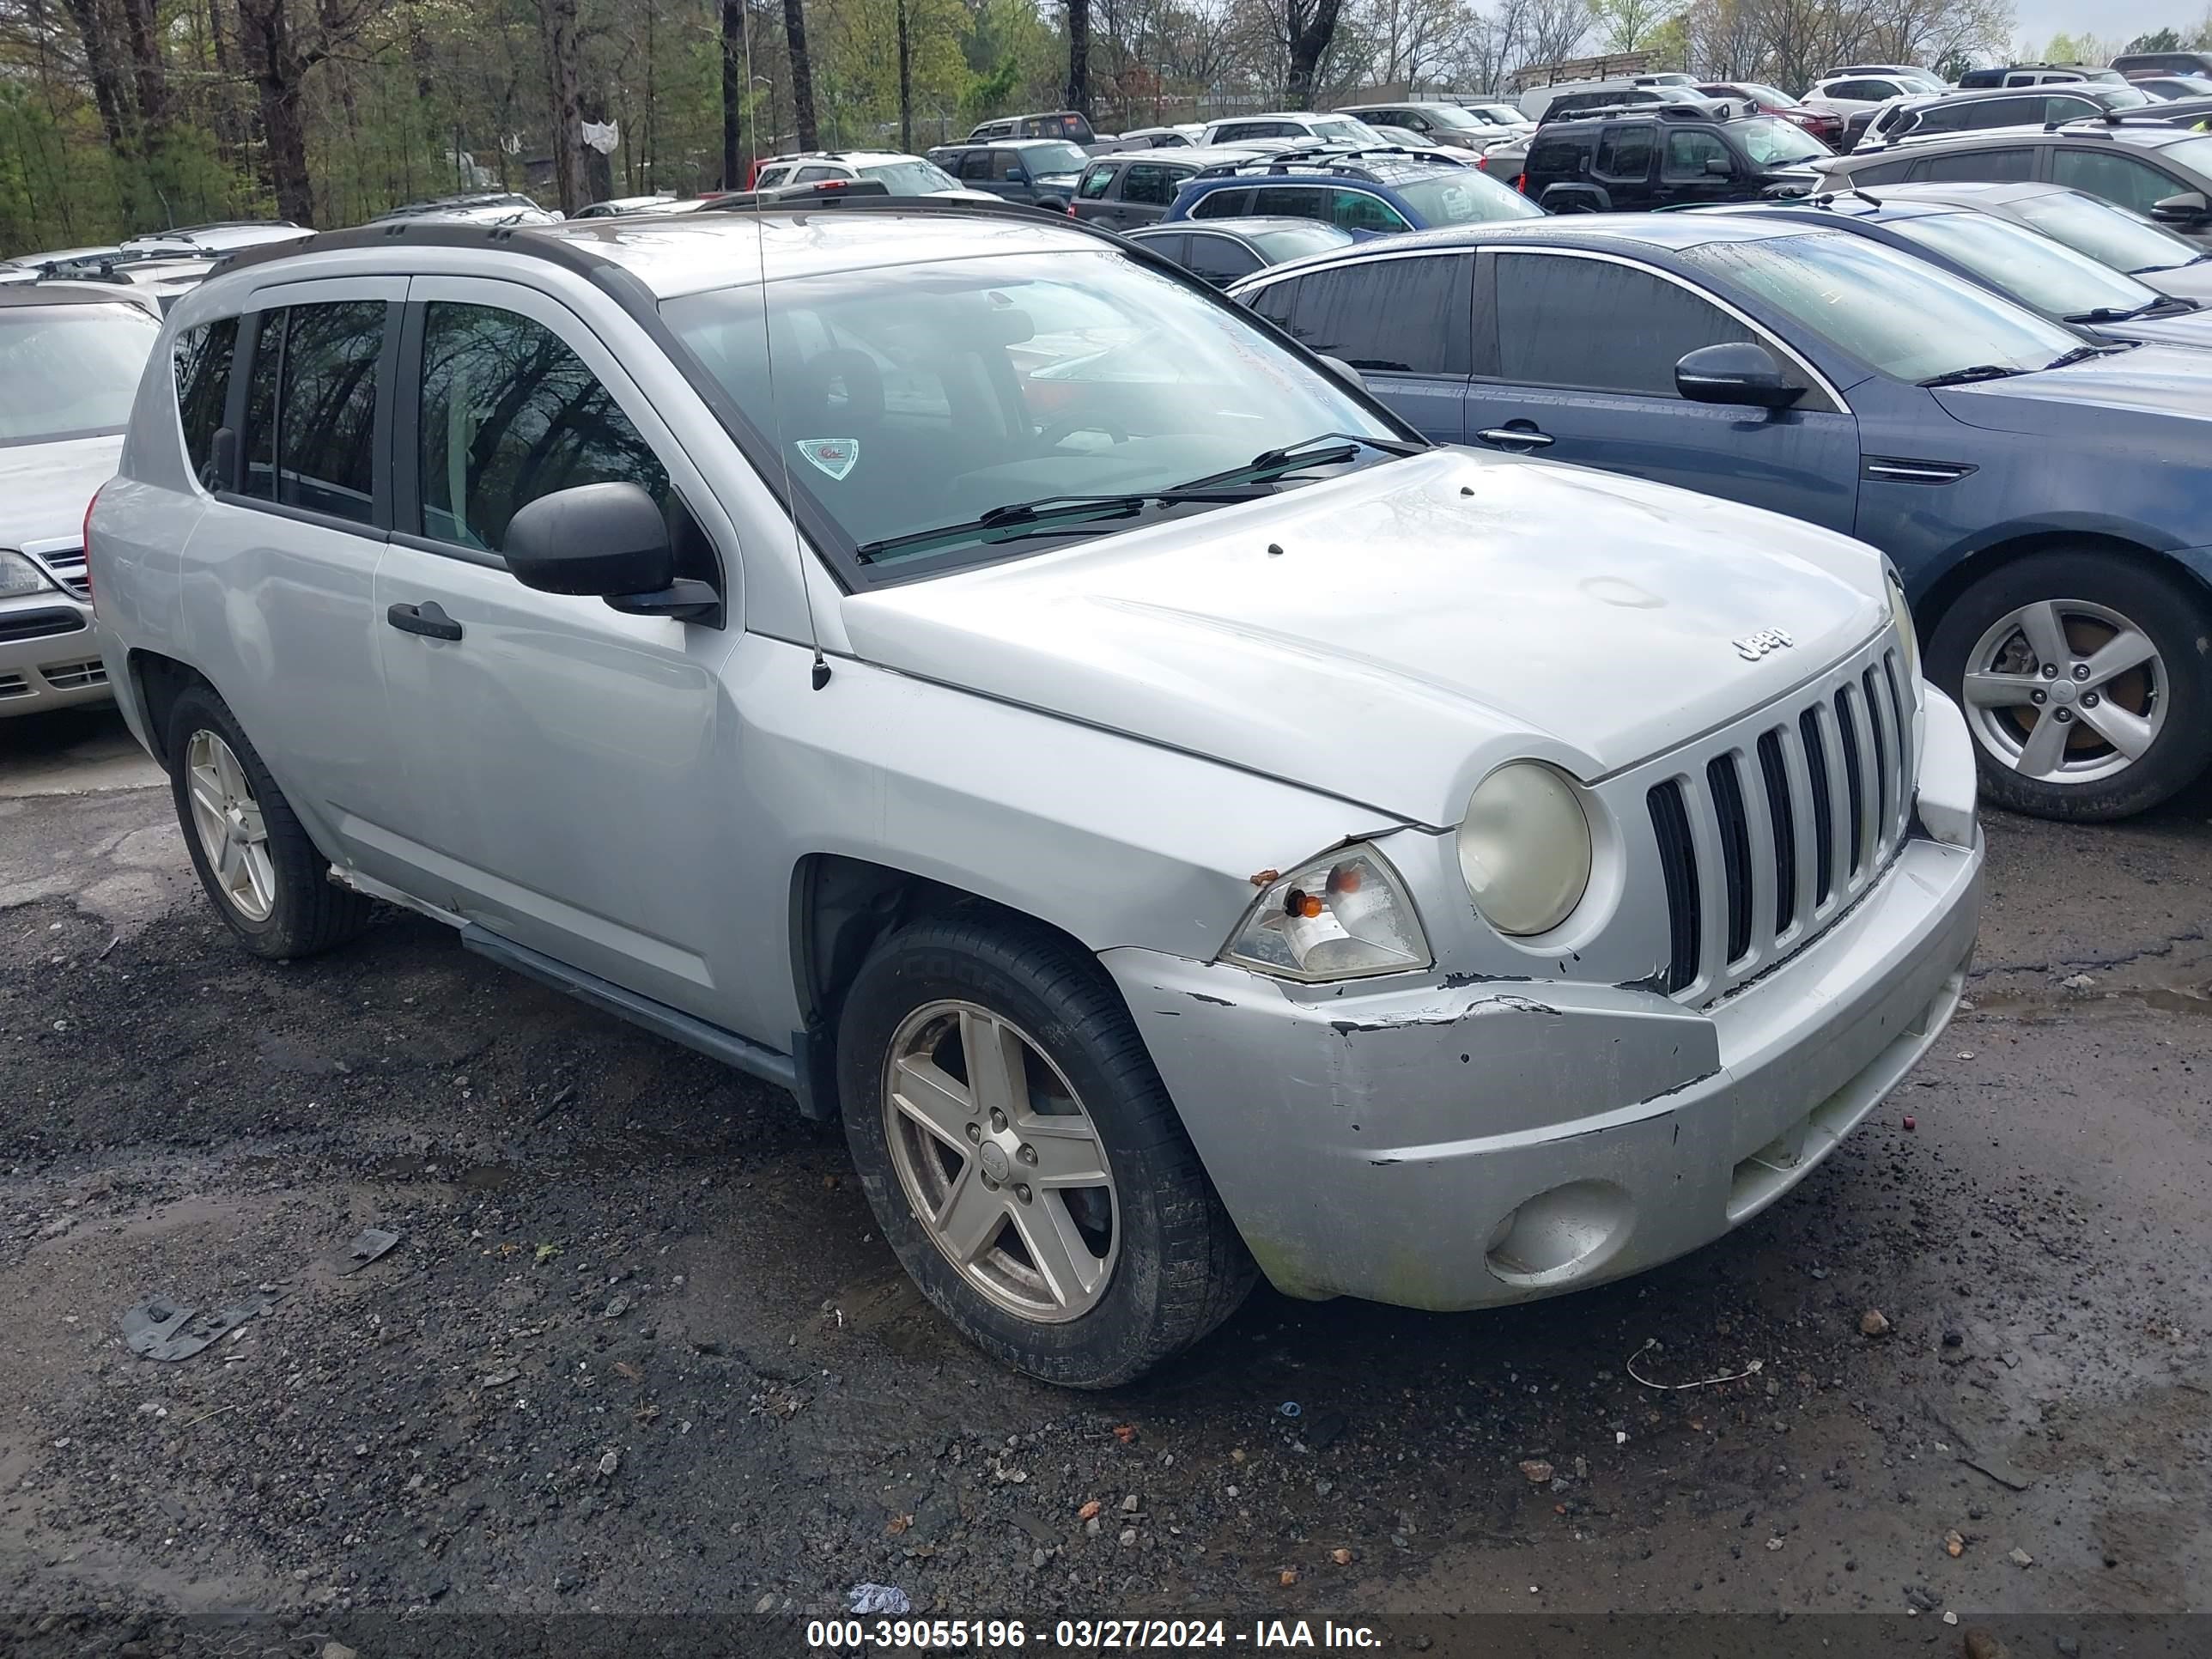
815	193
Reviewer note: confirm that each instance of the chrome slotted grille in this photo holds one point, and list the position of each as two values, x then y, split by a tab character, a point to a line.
1768	833
69	570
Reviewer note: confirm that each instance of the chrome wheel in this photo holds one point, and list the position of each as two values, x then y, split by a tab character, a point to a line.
231	831
1003	1167
2065	691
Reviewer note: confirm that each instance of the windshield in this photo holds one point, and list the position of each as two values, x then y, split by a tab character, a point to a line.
911	396
1760	92
2193	154
1500	115
2033	269
1451	115
1465	199
911	177
2104	232
1772	144
70	371
1343	130
2123	97
1892	311
1044	158
1295	241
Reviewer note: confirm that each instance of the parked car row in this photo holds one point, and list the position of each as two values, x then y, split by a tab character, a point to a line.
1187	826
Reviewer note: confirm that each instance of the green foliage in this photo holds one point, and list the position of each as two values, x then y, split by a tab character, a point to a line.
2157	40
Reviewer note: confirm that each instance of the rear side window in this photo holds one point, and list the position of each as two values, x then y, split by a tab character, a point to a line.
1219	260
1624	152
1355	209
509	414
1598	326
1223	205
1388	316
1550	157
1979	166
1152	183
201	361
311	408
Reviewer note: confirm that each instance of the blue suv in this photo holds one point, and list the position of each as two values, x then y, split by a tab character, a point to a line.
1368	192
2045	495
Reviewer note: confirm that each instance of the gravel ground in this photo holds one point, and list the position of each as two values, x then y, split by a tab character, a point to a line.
639	1352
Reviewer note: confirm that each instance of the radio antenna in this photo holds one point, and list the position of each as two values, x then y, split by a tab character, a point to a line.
819	675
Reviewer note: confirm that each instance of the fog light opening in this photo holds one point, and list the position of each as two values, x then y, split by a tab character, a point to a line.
1561	1235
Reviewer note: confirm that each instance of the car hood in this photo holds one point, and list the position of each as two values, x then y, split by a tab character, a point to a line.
2188	328
2148	381
46	488
2189	281
1390	635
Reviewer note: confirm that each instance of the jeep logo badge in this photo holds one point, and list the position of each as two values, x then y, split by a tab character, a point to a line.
1763	643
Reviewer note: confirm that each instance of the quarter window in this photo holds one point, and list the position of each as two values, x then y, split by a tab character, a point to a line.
1225	204
1219	260
510	414
1291	202
1355	209
202	363
1390	316
311	408
1095	183
1598	326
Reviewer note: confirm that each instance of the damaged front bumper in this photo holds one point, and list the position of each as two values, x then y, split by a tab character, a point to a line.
1451	1146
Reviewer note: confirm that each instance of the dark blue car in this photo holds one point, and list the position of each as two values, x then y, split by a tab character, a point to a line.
2045	497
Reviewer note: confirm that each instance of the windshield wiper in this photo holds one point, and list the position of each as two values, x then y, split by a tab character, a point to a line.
1323	449
2081	351
2117	313
1978	372
1044	508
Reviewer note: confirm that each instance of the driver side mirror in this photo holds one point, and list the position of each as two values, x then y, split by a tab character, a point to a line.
2187	207
1720	167
607	541
1017	176
1739	372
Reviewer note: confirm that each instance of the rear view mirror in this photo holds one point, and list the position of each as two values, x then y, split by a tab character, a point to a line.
1740	372
2187	207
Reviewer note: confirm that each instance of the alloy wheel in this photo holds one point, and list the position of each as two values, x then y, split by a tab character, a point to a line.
1002	1165
232	833
2065	691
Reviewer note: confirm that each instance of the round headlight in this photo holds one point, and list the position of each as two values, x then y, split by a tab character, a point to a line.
1901	614
1524	848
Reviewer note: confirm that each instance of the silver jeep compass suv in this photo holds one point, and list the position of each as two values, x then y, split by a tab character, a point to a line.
966	671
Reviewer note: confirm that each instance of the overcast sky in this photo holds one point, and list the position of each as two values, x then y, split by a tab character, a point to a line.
2111	20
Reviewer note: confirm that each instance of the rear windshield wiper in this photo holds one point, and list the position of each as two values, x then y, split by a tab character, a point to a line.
1980	372
1046	508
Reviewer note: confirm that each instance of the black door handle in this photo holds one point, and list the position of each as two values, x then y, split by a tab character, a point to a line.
428	619
1518	434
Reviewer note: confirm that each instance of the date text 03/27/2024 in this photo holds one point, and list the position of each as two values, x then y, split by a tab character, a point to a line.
1084	1635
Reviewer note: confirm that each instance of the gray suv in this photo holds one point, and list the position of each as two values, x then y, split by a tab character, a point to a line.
968	672
1032	172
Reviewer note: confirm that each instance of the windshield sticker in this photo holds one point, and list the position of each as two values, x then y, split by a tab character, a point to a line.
835	456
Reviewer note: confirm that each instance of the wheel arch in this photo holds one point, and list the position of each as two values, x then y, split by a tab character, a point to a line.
840	907
156	682
1940	595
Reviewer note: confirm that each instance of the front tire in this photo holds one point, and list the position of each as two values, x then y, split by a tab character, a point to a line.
2087	680
265	876
1023	1156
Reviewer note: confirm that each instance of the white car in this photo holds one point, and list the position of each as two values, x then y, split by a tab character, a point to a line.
899	175
1298	128
71	357
1847	94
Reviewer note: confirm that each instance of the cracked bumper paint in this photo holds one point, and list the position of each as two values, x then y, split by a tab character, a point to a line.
1454	1146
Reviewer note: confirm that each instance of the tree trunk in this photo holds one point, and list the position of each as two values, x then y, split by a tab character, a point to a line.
142	32
599	166
1079	55
278	69
1310	34
735	86
905	81
802	74
564	77
108	90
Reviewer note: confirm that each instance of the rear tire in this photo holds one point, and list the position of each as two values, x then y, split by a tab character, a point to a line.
1128	1266
266	878
2057	733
